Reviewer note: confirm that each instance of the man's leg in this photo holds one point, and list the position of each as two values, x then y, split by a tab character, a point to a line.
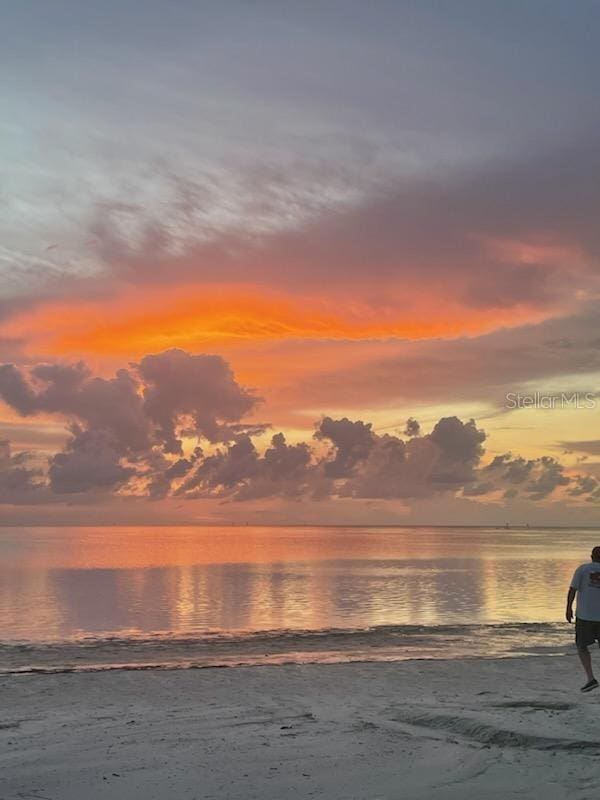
586	662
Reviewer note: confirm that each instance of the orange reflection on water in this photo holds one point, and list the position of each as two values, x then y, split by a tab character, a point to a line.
63	582
123	547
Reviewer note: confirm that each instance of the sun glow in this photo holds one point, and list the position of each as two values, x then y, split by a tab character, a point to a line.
136	322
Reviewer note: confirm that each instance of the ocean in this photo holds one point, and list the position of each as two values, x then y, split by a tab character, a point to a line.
83	598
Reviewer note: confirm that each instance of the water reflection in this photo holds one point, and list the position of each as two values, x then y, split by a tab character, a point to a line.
61	583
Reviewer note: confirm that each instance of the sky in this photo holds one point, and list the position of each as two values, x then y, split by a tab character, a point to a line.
322	262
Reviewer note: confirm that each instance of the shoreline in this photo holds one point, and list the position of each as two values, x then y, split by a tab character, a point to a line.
384	643
177	667
486	728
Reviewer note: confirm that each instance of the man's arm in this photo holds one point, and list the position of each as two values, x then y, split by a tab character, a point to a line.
570	598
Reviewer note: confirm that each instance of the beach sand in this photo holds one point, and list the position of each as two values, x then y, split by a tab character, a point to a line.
417	729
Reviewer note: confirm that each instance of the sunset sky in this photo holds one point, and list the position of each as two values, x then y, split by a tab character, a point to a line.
285	261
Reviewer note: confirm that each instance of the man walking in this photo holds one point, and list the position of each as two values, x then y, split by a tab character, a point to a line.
586	585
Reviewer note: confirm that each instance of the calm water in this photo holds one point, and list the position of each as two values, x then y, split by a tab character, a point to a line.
167	595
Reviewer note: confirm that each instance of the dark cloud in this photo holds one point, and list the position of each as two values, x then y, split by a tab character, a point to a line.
284	461
240	472
126	434
443	460
589	446
585	485
108	424
461	448
117	424
226	469
15	390
351	443
286	471
534	478
363	465
111	405
20	483
513	470
385	472
548	476
202	387
91	460
163	472
359	464
412	427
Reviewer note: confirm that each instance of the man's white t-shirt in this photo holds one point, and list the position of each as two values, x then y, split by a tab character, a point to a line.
586	579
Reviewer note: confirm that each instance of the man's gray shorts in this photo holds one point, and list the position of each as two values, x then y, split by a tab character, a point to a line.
587	632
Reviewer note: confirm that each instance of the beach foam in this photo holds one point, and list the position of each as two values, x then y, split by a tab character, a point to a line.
216	649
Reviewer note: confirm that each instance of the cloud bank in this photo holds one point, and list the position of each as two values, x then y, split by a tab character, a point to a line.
173	425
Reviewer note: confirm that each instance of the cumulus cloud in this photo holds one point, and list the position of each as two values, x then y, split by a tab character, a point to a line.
117	424
362	464
460	449
535	478
513	470
548	476
112	405
358	463
91	460
412	427
385	472
19	481
442	460
585	485
173	425
351	442
202	387
241	472
163	472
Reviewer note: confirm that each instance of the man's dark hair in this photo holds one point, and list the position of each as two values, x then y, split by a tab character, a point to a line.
596	553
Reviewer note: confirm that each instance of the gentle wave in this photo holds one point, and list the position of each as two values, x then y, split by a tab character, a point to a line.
212	649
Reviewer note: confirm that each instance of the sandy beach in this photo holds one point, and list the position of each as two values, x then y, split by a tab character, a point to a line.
362	731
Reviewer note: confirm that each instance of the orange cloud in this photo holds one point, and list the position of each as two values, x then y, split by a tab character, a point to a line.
203	316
